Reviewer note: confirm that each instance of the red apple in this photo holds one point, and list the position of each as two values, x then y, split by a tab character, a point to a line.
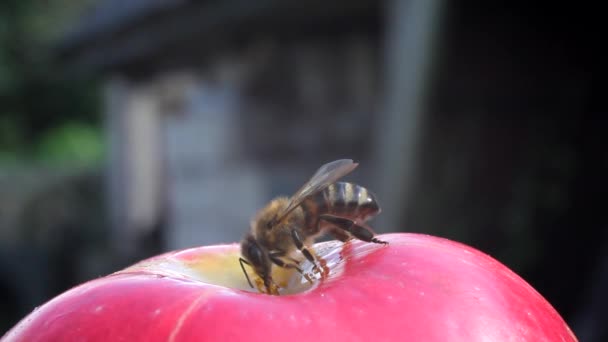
417	288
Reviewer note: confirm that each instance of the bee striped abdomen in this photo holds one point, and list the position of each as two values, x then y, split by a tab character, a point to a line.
341	199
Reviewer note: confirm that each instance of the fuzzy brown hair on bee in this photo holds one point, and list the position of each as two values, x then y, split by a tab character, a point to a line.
287	225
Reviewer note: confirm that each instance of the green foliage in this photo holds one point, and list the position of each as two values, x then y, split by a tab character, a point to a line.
45	115
71	142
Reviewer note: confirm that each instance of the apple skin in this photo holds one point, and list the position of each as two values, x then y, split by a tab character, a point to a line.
417	288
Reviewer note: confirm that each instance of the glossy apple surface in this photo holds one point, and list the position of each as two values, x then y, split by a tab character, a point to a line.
417	288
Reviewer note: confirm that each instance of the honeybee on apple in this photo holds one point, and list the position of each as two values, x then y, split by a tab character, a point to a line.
285	225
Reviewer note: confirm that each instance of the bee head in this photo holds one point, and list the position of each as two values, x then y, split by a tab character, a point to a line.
256	255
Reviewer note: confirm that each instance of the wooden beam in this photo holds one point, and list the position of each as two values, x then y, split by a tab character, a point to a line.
412	27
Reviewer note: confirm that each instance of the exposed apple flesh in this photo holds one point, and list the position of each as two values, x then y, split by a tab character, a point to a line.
417	288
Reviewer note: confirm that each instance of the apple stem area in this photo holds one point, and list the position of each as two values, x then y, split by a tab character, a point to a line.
219	265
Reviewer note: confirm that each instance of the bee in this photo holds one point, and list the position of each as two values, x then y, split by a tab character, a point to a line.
286	225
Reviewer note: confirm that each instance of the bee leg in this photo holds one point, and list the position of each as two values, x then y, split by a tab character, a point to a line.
358	231
275	258
282	255
298	241
339	234
271	287
293	260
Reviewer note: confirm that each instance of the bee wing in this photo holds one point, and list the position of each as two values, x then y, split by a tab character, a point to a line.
325	176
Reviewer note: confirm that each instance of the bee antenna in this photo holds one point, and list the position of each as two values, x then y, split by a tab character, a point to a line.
243	261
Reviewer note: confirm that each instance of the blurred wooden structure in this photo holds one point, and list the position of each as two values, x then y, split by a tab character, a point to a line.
216	106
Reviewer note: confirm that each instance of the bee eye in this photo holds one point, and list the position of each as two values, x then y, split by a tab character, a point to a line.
255	255
269	225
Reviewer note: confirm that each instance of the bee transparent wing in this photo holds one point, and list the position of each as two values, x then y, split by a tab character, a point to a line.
325	176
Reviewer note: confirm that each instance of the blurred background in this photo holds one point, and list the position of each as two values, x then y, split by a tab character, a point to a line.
128	128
